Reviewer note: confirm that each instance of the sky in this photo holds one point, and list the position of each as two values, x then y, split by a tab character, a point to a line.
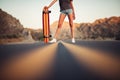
29	12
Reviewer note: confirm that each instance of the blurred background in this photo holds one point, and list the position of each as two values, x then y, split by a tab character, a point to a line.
95	19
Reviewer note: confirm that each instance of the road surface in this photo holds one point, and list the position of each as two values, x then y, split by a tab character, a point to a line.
84	60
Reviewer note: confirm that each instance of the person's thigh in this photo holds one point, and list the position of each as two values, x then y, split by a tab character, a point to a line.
61	19
70	17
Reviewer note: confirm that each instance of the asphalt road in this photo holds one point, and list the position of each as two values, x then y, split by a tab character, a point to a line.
84	60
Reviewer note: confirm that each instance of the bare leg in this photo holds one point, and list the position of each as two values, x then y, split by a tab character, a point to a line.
70	17
61	19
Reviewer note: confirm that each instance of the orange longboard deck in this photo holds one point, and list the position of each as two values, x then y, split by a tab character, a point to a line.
46	25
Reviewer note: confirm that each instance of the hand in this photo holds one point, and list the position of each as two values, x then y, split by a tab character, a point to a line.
74	16
45	8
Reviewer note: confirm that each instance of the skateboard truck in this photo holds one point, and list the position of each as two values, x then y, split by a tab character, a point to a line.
46	24
47	36
46	12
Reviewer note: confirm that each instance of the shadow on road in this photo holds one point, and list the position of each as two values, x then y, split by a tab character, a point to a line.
67	68
13	50
32	65
59	61
102	65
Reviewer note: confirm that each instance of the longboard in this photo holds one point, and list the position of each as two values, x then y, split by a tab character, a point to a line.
46	25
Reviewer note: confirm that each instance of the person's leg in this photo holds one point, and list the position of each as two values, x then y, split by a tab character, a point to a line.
60	22
70	17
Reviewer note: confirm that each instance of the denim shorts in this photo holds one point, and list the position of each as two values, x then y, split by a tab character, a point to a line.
67	11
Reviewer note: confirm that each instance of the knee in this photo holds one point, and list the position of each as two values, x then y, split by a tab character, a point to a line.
59	25
71	24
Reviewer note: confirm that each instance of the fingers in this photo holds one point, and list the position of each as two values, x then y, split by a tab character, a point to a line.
45	8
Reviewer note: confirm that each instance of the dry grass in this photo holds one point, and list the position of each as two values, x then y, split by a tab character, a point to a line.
5	41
